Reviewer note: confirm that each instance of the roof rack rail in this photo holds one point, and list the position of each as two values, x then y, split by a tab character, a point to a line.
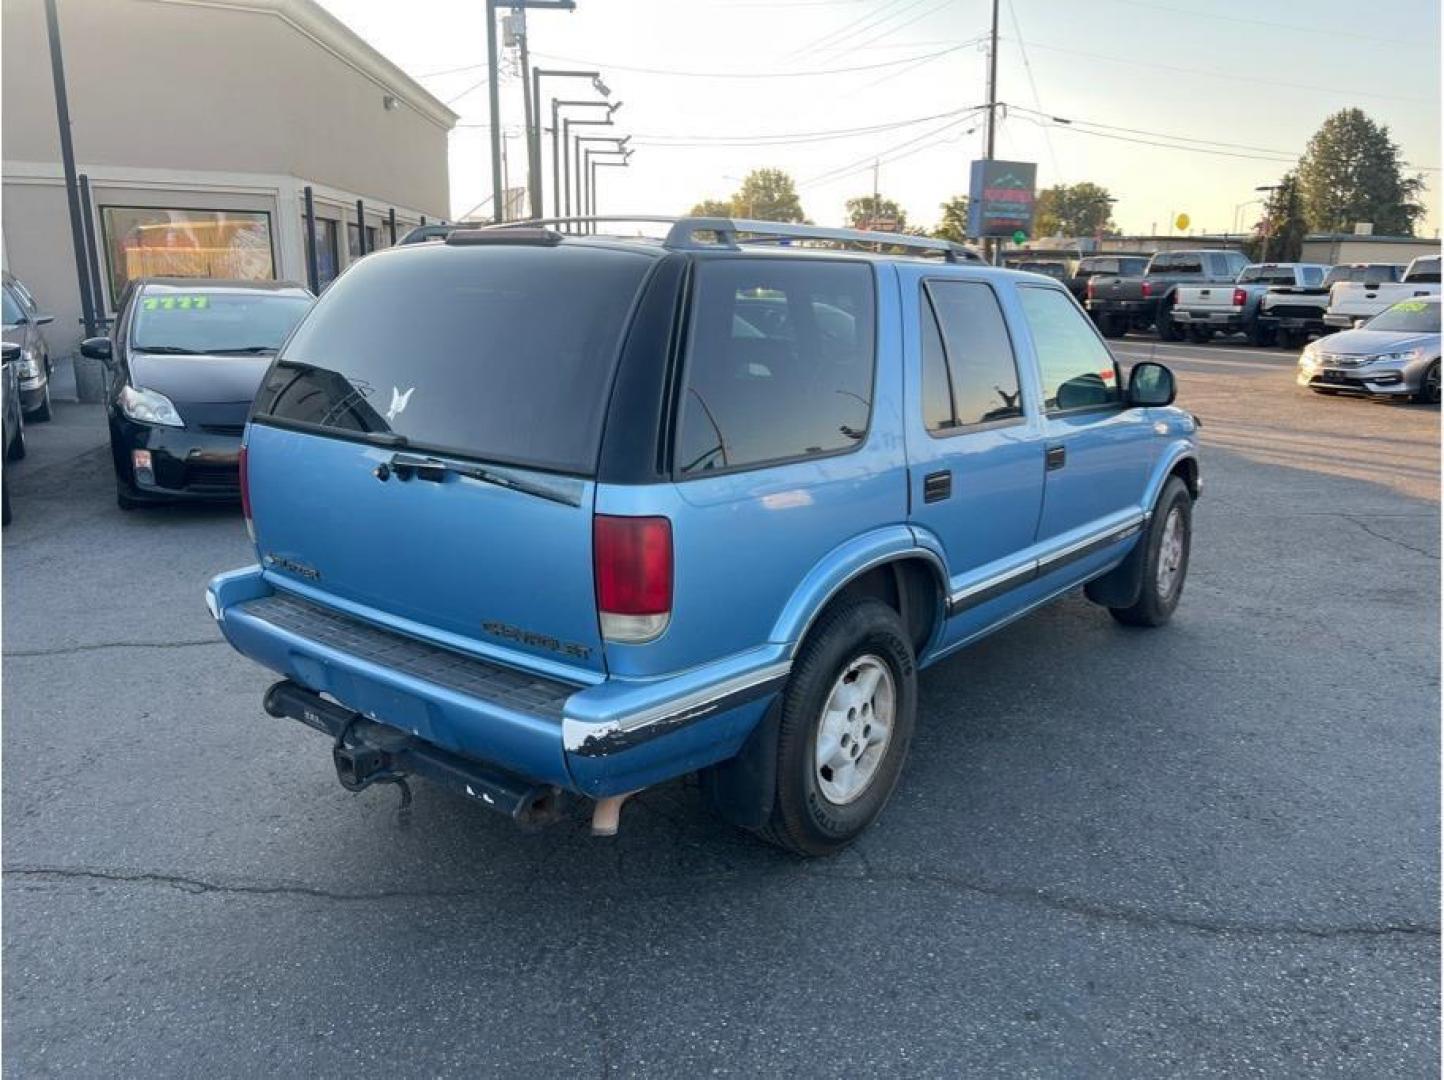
734	232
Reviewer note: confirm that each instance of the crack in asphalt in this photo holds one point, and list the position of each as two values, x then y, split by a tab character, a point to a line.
65	650
1390	539
1034	897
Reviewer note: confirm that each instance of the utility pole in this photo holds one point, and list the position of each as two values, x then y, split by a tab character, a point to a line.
990	248
495	105
872	218
67	158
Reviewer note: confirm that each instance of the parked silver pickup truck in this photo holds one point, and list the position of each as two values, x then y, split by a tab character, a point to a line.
1293	315
1205	310
1353	304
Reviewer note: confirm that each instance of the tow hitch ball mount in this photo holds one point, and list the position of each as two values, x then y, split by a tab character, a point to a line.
366	752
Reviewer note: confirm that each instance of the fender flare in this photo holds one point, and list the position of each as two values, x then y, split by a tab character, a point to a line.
1176	451
843	565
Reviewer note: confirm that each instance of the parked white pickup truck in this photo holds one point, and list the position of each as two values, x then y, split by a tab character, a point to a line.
1205	310
1354	304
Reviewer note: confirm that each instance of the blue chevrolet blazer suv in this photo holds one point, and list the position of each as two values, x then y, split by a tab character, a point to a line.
544	514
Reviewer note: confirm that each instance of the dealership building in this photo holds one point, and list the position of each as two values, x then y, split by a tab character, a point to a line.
204	129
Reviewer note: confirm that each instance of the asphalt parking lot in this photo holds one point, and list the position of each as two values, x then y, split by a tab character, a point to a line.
1208	848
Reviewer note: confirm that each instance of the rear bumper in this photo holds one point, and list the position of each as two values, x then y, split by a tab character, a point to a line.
1217	320
1310	323
596	739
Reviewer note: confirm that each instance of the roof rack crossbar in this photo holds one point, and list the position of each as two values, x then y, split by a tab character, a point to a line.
734	232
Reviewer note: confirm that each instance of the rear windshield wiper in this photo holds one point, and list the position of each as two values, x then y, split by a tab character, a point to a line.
561	489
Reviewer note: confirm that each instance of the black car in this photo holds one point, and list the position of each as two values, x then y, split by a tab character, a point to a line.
185	359
12	422
23	320
1104	266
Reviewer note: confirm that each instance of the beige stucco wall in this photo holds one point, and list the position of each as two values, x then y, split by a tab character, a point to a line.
1363	249
181	85
206	105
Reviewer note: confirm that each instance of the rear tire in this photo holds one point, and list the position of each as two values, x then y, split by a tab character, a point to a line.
1113	326
1165	565
1293	339
1200	335
1261	336
854	667
1165	326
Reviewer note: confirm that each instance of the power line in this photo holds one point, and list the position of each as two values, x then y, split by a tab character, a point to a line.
839	171
1348	36
746	74
1139	131
852	35
1033	86
1072	126
872	43
767	138
1232	77
831	36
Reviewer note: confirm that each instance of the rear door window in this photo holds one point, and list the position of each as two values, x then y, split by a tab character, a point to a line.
970	376
1077	370
779	363
502	353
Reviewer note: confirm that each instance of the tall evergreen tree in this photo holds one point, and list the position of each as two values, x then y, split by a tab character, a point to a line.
1351	172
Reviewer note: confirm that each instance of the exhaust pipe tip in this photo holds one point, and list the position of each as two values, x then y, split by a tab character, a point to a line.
607	814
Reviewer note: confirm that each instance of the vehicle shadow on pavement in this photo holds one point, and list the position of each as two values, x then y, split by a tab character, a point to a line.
1198	847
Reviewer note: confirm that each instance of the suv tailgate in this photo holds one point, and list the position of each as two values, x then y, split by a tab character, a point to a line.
425	445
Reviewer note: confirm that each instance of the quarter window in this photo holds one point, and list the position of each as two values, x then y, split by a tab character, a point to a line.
1077	369
150	242
970	375
779	365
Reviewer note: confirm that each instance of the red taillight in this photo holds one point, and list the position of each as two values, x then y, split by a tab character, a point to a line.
246	493
633	559
1147	290
1239	298
1088	290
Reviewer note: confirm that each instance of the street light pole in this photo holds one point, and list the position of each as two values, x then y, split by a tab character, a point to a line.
574	166
67	159
583	158
533	134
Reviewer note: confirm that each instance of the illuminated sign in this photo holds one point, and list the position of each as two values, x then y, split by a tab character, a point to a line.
1001	198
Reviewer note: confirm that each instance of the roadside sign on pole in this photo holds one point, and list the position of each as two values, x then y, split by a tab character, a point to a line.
1000	197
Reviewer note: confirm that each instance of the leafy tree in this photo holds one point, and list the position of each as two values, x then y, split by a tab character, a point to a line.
861	213
954	225
768	195
712	208
1351	172
1082	209
1279	236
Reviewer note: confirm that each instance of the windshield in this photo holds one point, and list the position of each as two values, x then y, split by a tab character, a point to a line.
1274	275
503	353
215	322
1411	316
12	308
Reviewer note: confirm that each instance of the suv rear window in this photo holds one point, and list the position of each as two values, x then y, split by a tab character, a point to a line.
779	363
500	353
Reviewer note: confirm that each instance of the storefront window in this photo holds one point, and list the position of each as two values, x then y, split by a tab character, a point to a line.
326	253
353	240
150	242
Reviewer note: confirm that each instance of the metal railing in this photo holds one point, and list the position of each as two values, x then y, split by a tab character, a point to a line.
682	234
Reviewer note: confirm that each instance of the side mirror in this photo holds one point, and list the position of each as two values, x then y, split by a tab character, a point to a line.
96	348
1151	385
9	352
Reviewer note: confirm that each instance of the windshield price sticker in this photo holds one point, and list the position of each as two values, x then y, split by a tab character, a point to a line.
170	303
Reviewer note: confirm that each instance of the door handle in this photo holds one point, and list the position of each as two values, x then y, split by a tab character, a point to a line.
1056	457
937	486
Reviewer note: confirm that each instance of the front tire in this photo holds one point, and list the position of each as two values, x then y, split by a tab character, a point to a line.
1428	392
847	719
16	450
42	411
1165	564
